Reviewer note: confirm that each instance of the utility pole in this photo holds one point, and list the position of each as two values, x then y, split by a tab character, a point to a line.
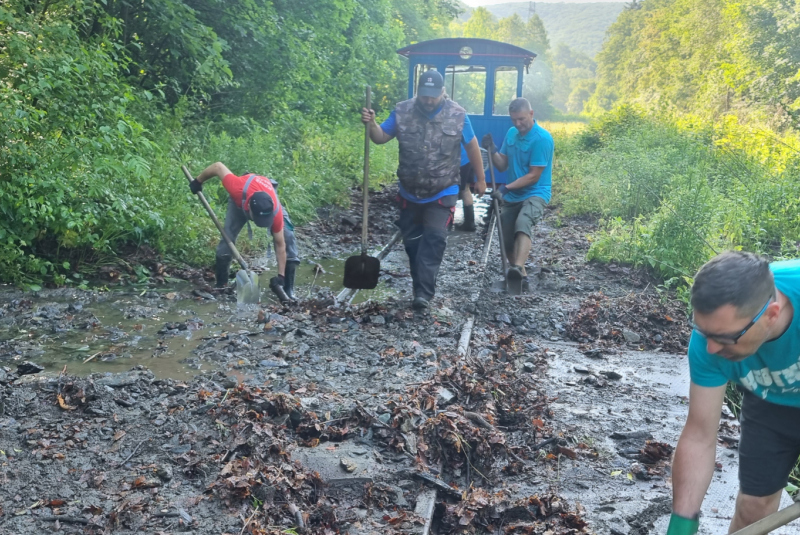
531	9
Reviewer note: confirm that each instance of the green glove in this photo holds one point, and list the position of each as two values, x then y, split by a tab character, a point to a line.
679	525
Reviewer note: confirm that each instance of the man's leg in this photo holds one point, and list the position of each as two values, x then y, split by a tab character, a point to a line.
465	193
234	222
531	212
411	229
768	449
750	509
292	257
435	218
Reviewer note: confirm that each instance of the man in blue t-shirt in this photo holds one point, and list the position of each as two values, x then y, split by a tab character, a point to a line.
430	130
745	332
527	153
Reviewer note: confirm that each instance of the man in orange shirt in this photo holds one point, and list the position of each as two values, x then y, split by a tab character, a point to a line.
253	198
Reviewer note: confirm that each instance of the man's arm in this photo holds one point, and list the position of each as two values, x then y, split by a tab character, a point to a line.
693	464
376	133
280	251
215	169
475	160
531	177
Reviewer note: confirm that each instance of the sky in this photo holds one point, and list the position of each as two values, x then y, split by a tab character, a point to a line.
476	3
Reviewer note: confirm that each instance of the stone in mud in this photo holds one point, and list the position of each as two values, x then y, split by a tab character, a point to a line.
29	368
503	318
164	472
270	363
349	219
349	465
627	435
445	396
611	375
529	367
377	320
630	336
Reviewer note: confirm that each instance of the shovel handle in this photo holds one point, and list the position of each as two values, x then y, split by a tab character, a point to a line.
216	222
497	212
364	219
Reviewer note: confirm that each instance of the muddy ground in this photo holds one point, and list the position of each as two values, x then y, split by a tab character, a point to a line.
322	418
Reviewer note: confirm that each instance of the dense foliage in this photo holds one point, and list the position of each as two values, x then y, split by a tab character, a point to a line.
558	81
711	58
581	26
672	193
102	101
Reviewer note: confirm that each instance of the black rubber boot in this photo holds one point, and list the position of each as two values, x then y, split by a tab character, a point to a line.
222	270
288	279
469	219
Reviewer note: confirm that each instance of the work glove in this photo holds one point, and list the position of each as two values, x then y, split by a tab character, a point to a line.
487	142
679	525
196	186
500	193
276	285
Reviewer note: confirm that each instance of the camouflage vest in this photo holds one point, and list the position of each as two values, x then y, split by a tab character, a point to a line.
430	149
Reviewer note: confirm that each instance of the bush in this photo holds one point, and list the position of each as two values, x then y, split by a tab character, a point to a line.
673	193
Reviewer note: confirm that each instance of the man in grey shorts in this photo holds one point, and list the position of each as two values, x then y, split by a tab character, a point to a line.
746	331
527	153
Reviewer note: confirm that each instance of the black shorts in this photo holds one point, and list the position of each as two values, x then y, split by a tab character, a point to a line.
769	446
467	176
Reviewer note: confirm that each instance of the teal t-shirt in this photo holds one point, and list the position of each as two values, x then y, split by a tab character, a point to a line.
773	372
533	149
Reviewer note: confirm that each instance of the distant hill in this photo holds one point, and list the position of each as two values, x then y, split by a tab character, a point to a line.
581	26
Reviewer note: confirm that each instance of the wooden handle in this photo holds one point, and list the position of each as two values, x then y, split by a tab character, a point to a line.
216	222
365	216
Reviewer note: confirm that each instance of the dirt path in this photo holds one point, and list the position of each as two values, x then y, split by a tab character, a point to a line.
351	419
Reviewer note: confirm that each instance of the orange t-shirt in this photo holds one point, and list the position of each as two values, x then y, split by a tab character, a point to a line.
234	185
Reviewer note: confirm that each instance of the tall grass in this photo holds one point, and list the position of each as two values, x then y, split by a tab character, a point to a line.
671	194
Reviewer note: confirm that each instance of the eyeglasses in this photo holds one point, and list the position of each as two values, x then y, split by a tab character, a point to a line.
731	339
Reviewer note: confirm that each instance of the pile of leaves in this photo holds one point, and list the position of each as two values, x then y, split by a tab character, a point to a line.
256	466
659	324
495	513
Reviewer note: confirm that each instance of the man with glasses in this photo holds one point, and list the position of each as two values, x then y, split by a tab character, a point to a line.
745	332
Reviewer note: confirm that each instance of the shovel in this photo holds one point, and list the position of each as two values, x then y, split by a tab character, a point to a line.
773	521
513	286
247	290
361	272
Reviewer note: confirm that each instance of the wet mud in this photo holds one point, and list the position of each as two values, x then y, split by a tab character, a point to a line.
180	412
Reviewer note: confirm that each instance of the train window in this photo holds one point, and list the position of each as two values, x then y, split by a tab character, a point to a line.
466	84
505	89
418	70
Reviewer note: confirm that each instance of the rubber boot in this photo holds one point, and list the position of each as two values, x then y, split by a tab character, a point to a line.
288	279
469	219
222	269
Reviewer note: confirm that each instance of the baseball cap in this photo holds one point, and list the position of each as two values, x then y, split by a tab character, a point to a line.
430	84
262	209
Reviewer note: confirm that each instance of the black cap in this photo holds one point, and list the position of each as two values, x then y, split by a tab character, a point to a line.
430	84
262	209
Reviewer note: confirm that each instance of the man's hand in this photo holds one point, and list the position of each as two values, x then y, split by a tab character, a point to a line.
196	186
679	525
367	116
500	193
487	142
480	187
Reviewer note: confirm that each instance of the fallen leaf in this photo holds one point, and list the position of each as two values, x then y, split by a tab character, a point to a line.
119	434
63	404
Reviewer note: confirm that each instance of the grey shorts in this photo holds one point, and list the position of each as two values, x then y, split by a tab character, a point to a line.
769	445
520	217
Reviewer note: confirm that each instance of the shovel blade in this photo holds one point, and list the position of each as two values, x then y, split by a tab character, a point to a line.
361	272
247	289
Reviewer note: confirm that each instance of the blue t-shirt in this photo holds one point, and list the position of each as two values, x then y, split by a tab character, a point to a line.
773	372
533	149
467	133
